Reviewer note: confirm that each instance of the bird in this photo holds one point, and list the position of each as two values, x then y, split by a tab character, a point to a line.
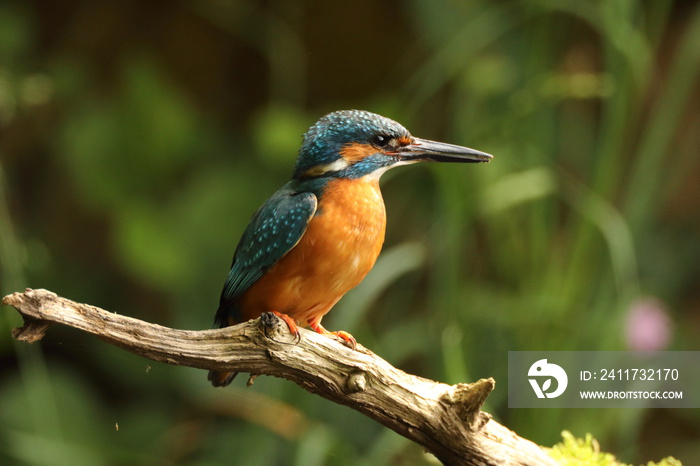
319	235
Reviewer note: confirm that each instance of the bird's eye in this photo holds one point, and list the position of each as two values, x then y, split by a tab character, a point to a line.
381	140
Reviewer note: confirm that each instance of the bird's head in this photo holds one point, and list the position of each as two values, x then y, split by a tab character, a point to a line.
355	143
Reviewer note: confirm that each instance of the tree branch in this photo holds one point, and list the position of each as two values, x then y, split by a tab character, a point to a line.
446	420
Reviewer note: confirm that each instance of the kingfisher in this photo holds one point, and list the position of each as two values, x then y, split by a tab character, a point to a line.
321	233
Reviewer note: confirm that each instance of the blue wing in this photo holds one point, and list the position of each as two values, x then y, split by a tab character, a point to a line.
272	232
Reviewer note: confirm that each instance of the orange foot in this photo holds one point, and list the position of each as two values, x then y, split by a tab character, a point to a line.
348	339
291	323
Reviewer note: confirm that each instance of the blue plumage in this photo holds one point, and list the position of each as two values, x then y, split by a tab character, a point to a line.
323	142
272	232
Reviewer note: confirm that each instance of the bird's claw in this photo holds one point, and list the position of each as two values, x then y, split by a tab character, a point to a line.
348	339
291	325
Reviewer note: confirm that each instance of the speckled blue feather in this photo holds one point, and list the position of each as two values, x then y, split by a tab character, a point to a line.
324	140
272	232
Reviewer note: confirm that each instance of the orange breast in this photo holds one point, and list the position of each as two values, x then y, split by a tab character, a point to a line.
338	249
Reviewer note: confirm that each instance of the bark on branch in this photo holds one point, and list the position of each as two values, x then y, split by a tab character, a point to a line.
445	419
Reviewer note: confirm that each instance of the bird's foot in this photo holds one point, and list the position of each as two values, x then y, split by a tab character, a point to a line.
348	339
291	324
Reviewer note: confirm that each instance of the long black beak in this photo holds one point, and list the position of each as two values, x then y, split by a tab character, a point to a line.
423	149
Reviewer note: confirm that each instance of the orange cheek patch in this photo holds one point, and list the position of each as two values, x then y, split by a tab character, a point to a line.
357	152
405	140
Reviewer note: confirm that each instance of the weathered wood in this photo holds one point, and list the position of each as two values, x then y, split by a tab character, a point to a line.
445	419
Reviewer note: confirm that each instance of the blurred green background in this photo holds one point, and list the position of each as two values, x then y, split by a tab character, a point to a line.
137	138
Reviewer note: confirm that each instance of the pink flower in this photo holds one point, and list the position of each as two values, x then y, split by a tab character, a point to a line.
647	326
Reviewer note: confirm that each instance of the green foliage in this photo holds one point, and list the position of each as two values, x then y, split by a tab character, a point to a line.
137	140
574	451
